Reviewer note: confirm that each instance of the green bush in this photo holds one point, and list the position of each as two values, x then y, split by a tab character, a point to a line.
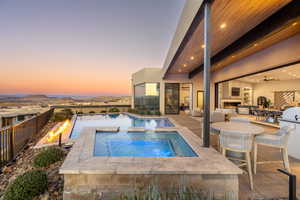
63	115
79	113
59	117
92	112
68	112
27	186
114	109
103	111
132	110
48	157
157	112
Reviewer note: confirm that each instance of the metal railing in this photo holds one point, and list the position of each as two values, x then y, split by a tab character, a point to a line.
14	138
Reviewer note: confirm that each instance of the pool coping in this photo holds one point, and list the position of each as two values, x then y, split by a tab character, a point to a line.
67	134
81	159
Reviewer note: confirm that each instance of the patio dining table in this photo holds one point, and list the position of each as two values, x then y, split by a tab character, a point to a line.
239	127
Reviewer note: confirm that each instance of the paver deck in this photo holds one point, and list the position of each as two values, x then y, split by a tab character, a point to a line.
268	182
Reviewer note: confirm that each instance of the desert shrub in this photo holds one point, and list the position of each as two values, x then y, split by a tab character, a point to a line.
79	113
59	117
103	111
132	110
92	112
27	186
48	157
114	109
157	112
63	115
68	112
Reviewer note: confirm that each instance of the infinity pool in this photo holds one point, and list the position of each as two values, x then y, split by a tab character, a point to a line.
141	144
117	120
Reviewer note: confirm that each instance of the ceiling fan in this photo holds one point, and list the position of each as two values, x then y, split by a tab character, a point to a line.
270	79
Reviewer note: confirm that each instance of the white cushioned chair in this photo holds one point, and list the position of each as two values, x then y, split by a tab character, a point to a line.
278	140
238	142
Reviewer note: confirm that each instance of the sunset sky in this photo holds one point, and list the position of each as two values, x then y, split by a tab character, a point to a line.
82	47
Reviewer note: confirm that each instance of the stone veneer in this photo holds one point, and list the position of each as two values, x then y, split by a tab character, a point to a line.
90	177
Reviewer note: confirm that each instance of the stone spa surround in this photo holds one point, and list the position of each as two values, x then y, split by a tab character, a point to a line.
89	177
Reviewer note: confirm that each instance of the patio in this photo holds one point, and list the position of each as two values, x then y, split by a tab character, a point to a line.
268	182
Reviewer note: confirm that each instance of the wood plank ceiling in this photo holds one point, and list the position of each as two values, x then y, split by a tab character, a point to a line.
230	20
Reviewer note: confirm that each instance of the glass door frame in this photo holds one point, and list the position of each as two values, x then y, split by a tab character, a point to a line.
178	100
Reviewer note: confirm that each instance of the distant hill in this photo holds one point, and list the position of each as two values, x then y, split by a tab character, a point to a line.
36	96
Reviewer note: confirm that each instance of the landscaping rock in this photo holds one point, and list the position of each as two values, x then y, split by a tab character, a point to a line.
24	163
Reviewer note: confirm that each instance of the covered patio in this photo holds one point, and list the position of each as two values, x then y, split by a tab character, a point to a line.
268	182
219	41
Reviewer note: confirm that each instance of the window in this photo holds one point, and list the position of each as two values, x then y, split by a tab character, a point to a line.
20	118
151	89
146	96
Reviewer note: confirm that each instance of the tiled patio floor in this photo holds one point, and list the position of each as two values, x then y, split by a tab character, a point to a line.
268	182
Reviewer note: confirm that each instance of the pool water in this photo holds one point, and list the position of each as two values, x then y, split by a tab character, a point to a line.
117	120
141	144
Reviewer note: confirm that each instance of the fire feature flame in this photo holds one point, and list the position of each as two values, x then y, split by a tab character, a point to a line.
55	133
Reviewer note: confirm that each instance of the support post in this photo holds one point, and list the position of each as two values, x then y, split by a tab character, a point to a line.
292	184
206	74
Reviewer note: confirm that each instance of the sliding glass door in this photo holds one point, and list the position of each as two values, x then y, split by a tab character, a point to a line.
172	98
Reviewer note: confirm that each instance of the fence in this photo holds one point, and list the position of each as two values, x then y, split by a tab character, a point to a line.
14	138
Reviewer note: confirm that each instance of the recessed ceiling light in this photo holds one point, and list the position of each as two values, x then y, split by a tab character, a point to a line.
184	65
192	57
255	44
232	56
223	25
202	46
295	23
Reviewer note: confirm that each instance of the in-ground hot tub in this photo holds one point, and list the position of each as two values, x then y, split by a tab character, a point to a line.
141	144
106	164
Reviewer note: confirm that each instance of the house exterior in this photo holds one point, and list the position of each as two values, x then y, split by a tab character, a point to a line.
251	55
14	115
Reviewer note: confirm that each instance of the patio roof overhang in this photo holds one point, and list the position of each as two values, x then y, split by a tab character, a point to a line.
238	29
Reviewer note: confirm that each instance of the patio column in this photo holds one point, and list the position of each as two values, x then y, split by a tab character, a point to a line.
206	74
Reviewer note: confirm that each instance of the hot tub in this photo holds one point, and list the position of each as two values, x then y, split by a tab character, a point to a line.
107	164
